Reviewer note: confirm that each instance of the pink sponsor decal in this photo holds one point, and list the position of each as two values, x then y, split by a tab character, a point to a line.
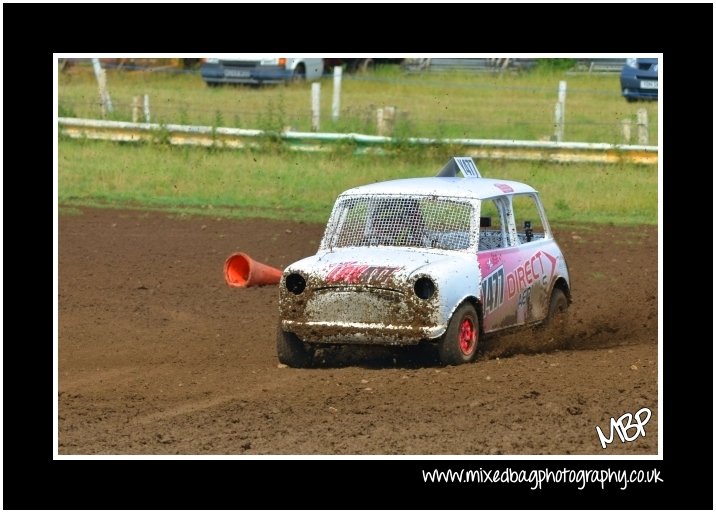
540	266
504	187
353	272
519	272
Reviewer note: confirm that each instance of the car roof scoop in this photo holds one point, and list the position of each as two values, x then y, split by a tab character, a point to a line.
463	164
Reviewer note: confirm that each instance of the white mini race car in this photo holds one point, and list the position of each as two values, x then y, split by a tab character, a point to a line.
425	260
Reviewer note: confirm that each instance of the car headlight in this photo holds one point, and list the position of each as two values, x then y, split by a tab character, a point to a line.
424	288
631	62
295	283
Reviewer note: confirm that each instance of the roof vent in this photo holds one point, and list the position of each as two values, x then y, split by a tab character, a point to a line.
464	164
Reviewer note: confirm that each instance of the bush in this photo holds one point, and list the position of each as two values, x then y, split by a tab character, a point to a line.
552	65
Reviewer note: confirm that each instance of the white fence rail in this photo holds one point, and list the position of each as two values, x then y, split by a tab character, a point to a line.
549	151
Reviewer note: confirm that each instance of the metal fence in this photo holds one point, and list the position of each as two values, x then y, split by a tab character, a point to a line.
220	137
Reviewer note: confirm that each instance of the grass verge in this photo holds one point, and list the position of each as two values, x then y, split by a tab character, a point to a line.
297	186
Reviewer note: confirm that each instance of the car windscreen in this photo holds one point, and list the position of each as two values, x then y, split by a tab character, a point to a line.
400	221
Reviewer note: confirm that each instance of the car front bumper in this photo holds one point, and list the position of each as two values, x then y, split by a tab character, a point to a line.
360	315
361	332
217	73
640	86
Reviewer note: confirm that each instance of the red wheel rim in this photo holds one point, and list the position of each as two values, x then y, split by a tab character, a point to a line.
468	337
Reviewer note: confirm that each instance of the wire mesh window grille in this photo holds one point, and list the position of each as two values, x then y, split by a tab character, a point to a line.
400	221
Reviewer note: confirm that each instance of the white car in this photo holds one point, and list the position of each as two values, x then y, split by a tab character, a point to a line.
440	260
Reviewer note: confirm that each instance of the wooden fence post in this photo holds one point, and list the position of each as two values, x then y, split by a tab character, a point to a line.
385	120
559	110
642	125
337	76
135	109
380	122
557	122
105	100
626	130
389	119
146	109
315	106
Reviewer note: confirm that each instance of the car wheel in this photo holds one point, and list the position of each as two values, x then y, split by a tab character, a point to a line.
459	343
558	304
299	74
292	351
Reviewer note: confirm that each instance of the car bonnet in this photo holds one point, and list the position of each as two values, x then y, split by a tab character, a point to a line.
378	266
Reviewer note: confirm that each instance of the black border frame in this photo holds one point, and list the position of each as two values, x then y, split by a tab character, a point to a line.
33	480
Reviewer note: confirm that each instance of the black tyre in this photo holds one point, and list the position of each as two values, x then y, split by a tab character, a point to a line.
292	351
299	74
557	315
550	333
459	343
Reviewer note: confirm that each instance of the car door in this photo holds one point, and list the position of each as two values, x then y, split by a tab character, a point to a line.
517	261
493	246
536	263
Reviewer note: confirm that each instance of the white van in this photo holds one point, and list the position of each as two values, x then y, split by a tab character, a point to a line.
237	69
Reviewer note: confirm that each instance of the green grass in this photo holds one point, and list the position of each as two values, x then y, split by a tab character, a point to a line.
277	183
69	211
300	186
455	104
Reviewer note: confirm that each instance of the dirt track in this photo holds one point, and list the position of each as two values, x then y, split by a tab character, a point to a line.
158	356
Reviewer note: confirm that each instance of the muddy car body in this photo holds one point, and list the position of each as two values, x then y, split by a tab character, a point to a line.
445	259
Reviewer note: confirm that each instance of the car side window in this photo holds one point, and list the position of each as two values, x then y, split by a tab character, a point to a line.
529	223
492	233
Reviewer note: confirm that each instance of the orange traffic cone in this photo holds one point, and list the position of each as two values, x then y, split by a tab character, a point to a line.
241	271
